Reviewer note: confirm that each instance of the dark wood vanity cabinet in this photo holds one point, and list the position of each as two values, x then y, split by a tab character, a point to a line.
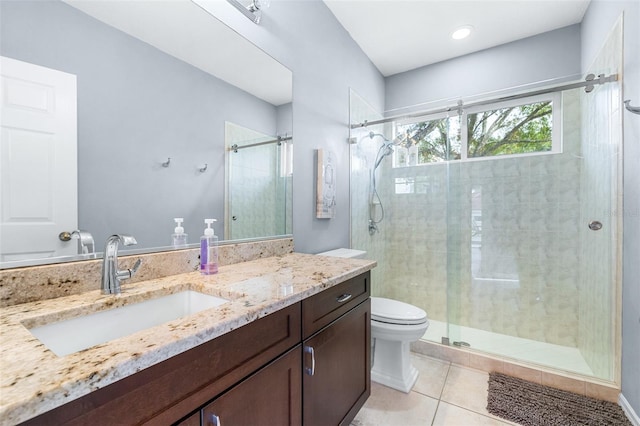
272	396
337	376
324	381
308	363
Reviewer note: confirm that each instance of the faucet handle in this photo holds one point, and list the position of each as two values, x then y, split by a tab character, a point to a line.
128	273
136	266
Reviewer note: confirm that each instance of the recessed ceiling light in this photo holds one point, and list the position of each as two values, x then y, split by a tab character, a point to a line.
462	32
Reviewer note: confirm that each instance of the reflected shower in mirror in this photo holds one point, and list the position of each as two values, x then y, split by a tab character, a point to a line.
259	174
150	104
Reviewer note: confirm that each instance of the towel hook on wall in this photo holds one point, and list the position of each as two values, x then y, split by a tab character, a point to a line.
204	169
166	163
627	105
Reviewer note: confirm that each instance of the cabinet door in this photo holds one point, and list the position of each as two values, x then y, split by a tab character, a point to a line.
192	420
337	377
269	397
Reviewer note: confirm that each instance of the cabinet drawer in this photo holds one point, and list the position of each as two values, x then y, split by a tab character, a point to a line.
323	308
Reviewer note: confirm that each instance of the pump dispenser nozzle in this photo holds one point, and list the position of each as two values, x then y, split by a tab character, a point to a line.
208	231
179	237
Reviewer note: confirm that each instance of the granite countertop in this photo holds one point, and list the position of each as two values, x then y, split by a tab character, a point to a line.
34	380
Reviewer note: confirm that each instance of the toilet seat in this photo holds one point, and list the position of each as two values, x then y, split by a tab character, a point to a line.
396	312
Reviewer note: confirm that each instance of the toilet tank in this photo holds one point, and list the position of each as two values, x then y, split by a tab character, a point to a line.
345	252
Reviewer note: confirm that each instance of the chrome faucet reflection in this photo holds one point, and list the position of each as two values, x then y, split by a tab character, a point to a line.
111	276
86	244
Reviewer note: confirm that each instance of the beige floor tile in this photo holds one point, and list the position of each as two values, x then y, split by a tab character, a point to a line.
433	373
467	388
451	415
388	407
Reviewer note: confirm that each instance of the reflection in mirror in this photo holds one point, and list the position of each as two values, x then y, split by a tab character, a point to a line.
141	108
259	173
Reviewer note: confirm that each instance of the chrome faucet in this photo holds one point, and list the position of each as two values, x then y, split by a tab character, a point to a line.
111	276
85	241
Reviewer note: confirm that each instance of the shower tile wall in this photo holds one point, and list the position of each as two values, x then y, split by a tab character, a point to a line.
601	148
500	236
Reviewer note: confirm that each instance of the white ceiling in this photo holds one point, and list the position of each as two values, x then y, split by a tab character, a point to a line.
400	35
184	30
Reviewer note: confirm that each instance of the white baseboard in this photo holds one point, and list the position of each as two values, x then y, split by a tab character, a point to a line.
628	410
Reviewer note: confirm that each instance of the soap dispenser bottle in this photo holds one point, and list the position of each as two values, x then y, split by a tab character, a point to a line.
178	237
209	250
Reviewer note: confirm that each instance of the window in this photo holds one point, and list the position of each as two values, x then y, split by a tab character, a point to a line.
520	127
423	142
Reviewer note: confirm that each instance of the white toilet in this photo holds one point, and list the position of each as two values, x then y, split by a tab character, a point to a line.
394	325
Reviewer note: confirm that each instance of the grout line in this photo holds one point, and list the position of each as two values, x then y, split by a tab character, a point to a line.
444	383
486	415
435	413
446	377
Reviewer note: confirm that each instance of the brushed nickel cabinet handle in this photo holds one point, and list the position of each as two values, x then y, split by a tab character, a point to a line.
215	420
343	298
311	371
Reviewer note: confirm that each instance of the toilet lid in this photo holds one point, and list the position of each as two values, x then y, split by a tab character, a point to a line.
396	312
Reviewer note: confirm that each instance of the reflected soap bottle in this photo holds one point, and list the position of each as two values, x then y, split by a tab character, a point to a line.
209	250
179	238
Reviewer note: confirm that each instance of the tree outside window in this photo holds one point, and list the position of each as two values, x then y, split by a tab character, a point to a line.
516	130
509	130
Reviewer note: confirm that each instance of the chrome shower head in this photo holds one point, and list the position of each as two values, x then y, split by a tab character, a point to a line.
385	150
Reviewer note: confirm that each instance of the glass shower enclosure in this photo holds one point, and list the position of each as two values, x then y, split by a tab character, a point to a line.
259	172
508	237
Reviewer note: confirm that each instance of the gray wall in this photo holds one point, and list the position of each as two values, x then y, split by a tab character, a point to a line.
136	107
305	36
598	21
554	54
284	113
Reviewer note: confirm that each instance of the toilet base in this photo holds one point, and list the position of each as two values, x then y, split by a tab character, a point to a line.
392	365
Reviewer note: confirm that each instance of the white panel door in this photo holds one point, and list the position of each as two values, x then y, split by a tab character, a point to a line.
38	161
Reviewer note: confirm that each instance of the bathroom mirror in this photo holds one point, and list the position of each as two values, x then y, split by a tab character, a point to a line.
155	84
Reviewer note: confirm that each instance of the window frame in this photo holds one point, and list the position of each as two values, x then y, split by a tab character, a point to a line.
556	132
421	119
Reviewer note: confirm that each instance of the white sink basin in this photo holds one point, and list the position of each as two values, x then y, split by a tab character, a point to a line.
75	334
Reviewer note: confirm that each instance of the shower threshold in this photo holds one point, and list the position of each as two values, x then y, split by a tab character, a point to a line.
548	354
